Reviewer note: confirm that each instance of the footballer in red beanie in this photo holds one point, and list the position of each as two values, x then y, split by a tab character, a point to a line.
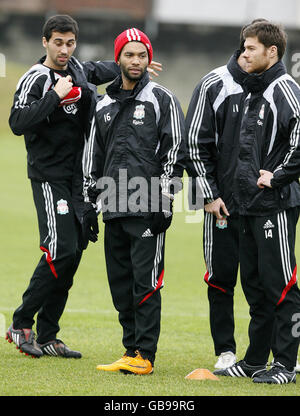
132	35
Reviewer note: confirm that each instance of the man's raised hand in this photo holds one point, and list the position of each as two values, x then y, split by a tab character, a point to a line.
63	86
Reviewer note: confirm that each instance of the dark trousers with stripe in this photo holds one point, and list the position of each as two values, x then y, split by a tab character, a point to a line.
221	253
135	268
49	286
269	281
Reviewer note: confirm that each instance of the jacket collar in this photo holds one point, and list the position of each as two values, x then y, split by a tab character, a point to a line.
238	74
113	90
74	66
260	82
71	63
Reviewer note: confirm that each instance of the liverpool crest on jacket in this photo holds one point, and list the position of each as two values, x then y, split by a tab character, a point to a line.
139	114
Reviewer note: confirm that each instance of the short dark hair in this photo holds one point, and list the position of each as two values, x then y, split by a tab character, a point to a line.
61	23
242	39
268	34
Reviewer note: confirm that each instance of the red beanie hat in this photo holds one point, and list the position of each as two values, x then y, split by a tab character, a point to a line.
131	35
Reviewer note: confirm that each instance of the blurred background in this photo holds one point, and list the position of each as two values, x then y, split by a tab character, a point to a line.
190	37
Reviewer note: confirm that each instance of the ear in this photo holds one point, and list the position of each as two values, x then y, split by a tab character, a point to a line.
44	42
273	51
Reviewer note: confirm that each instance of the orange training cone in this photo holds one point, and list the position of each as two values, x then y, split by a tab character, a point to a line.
201	374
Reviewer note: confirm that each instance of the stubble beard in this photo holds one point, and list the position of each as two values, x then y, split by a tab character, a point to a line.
132	78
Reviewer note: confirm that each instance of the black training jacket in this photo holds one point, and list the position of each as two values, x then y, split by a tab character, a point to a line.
54	134
140	136
269	140
213	126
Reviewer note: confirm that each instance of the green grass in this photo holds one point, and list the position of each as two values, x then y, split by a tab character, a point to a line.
90	323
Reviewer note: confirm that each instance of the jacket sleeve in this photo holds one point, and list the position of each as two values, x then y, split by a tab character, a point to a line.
289	170
101	72
92	162
172	143
201	142
30	106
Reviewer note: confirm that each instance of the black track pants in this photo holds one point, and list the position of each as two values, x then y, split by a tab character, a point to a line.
48	289
135	268
269	281
221	253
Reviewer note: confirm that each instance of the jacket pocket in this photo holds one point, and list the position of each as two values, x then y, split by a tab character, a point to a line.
285	192
270	194
284	195
271	198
